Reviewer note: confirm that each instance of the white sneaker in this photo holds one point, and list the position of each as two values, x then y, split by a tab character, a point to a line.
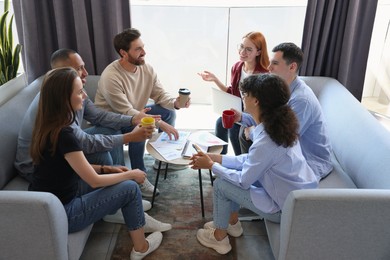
173	167
153	225
117	217
206	237
146	205
233	230
154	241
147	189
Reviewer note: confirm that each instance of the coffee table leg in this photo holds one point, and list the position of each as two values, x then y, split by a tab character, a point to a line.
166	171
211	178
156	182
201	191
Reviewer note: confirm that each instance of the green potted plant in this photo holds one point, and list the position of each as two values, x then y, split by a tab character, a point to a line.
9	55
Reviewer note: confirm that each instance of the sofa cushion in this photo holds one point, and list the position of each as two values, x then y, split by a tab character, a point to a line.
91	86
11	116
357	137
17	183
77	241
337	179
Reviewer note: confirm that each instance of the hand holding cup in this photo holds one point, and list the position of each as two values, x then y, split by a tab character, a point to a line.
228	118
148	121
184	96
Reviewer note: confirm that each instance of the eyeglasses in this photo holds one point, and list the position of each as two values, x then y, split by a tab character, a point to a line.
244	94
242	48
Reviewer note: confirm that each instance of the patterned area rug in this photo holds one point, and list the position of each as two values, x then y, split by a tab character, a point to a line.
178	204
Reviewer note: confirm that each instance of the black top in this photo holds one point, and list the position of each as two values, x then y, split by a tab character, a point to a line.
54	173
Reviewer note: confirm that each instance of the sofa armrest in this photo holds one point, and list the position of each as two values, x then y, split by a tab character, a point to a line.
336	224
33	225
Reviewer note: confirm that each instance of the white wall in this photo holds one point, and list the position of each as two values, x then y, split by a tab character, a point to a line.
181	40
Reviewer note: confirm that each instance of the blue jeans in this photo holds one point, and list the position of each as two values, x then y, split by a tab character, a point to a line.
228	198
88	208
113	157
223	134
137	149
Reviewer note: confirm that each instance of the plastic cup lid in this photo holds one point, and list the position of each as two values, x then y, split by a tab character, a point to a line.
184	91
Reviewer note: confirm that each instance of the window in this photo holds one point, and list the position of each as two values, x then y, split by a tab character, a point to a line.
376	92
183	38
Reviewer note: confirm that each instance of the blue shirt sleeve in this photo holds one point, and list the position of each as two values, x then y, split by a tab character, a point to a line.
247	120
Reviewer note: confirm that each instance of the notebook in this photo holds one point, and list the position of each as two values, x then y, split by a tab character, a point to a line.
189	150
224	101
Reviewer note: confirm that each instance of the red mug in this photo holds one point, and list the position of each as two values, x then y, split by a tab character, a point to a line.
228	118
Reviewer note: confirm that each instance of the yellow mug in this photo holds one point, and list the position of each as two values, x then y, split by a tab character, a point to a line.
147	121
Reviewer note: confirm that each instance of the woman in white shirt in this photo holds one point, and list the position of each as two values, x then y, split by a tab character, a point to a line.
261	179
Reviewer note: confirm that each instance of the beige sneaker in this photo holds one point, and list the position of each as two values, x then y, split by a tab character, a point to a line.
146	205
147	189
117	217
154	241
206	238
153	225
233	230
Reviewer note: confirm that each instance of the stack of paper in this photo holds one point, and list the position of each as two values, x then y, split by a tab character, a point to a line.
182	147
170	149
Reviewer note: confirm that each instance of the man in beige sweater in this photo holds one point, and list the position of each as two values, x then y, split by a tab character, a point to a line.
127	84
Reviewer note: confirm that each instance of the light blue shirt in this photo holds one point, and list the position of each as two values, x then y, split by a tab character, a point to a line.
269	171
313	135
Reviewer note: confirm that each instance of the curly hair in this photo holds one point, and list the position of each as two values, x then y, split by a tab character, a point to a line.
278	118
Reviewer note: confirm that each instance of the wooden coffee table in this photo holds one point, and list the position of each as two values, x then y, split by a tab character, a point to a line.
180	161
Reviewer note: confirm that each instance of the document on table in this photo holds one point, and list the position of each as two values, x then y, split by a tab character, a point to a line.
170	149
205	139
189	150
173	149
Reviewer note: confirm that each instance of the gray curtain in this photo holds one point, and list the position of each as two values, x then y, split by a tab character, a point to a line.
87	26
336	40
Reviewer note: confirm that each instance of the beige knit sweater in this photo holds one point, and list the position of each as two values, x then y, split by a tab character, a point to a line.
127	93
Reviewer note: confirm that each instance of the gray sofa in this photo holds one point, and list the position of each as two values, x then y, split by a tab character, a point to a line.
348	217
33	225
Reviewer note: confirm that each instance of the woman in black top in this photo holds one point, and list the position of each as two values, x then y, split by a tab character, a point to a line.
60	162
